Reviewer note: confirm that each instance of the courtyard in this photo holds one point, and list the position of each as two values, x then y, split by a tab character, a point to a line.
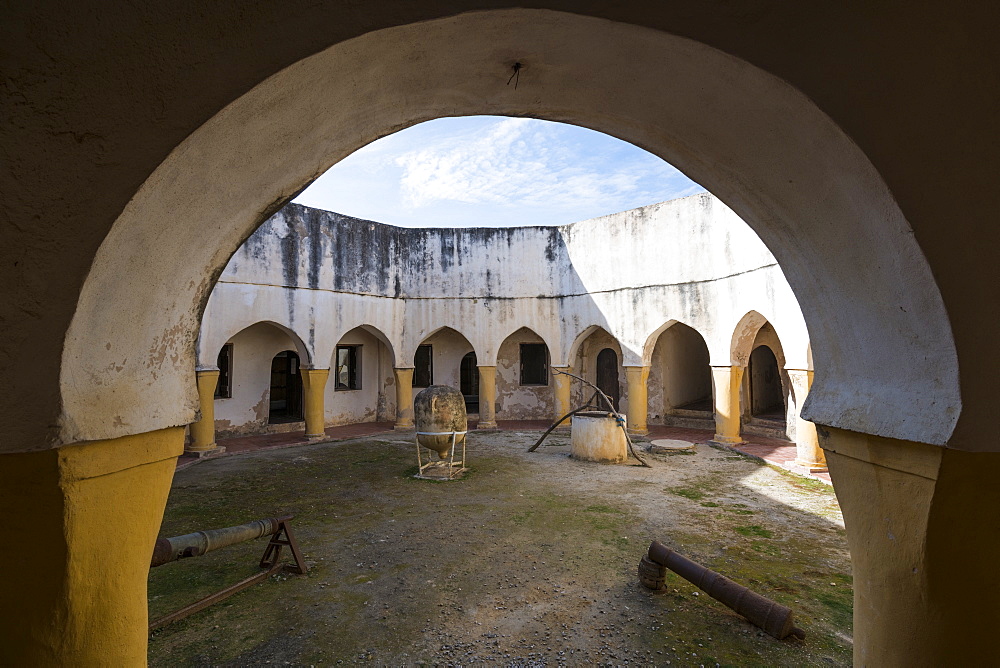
529	560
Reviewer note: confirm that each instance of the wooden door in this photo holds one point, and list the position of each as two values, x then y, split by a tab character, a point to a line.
607	375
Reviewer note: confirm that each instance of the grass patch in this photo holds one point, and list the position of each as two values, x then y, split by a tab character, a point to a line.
710	504
688	493
521	519
765	548
802	482
754	530
603	509
836	604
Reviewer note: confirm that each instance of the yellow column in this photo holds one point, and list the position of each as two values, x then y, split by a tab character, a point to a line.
404	398
85	518
807	450
726	383
314	388
638	399
924	532
203	431
561	388
487	397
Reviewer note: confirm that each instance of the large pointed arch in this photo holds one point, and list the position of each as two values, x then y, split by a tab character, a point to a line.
748	136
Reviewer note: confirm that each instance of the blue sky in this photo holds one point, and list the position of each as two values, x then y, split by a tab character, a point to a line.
491	171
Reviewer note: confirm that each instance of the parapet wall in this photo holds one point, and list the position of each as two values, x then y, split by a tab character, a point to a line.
321	274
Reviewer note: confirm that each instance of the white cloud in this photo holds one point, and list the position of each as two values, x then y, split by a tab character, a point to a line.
515	162
494	171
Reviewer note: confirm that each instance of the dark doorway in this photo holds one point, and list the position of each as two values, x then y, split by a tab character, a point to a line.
607	375
469	381
423	366
286	389
766	398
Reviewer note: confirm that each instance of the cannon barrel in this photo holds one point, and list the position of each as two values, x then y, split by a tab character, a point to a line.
773	617
198	543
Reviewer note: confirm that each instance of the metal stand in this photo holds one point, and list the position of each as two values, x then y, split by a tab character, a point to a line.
270	561
441	463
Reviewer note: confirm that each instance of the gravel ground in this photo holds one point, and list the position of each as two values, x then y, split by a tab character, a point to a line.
528	561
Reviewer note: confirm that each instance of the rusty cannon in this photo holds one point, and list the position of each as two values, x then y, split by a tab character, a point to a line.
167	550
773	618
201	542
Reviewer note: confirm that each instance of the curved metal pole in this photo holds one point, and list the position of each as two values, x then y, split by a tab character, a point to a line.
611	409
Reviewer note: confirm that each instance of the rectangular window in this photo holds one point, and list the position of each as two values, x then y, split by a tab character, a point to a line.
224	388
423	367
348	371
534	364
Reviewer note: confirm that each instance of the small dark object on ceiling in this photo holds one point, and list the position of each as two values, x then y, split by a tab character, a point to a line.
516	75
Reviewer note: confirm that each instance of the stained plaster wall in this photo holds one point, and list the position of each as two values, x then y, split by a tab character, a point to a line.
322	274
514	400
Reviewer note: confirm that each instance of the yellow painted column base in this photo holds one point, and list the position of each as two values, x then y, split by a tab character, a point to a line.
85	518
404	399
726	386
808	454
637	378
314	387
923	528
561	388
487	397
203	431
719	439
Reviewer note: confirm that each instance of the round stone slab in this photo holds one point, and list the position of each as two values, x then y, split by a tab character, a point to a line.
665	445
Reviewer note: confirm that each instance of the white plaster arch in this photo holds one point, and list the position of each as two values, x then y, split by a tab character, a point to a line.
741	341
547	340
420	338
886	349
372	329
654	336
574	347
209	346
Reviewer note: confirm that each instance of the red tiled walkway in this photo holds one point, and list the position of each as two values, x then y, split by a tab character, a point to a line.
772	450
290	439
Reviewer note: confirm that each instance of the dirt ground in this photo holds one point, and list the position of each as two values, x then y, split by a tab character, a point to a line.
529	561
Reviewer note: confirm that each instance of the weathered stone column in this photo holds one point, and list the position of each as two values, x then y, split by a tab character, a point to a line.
637	378
726	383
86	517
807	450
487	397
561	389
203	431
314	388
404	398
923	531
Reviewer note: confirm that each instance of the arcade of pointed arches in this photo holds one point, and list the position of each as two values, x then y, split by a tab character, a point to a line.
667	373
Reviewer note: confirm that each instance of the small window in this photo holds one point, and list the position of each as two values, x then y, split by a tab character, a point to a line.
534	364
224	389
423	367
348	372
